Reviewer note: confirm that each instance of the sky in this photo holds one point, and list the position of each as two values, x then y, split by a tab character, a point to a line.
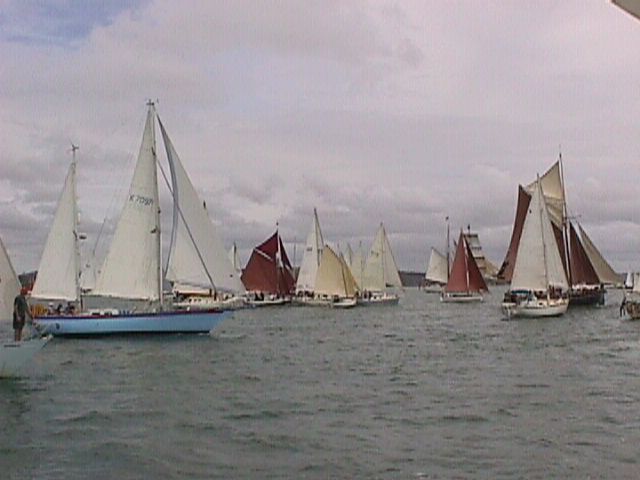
398	112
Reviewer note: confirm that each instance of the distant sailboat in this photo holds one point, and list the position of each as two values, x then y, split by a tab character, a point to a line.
306	282
268	275
631	299
235	260
539	283
13	355
466	283
380	273
335	285
132	270
437	272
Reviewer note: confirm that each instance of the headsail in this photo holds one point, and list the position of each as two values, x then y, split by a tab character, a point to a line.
334	277
9	284
311	257
197	258
538	263
437	271
506	270
605	273
59	269
131	268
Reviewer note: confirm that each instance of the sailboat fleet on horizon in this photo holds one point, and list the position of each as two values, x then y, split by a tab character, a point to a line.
550	263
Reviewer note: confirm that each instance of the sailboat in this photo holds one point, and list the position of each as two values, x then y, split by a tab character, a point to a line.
631	298
586	269
435	278
132	271
235	260
380	273
334	285
13	355
539	284
58	278
305	284
466	283
268	275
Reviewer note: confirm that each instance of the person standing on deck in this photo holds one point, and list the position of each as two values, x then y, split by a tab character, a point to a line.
20	314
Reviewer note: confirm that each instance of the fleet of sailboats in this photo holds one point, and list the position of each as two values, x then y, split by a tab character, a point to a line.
550	262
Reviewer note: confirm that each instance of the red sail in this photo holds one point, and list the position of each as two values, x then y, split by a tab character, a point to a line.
465	275
582	271
557	232
506	270
265	272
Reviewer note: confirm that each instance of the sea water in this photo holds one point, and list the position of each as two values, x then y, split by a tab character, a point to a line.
419	390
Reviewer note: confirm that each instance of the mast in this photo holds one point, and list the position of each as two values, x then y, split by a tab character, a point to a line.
448	252
565	223
544	243
152	107
76	252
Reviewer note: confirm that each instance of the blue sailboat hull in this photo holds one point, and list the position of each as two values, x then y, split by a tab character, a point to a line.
201	321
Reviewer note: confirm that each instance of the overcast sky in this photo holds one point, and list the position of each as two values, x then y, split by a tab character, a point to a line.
400	112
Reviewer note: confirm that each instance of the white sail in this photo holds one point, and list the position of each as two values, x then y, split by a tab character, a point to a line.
235	259
538	263
357	265
380	270
635	282
553	191
437	270
334	277
9	284
197	258
131	268
59	269
348	255
311	257
605	273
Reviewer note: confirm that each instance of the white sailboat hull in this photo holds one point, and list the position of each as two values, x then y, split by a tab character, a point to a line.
536	308
461	297
15	355
377	298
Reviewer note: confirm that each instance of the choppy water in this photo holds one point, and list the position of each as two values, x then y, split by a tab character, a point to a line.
423	390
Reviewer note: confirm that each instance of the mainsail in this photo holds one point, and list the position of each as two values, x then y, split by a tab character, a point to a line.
538	263
334	276
380	270
465	275
582	271
59	269
357	265
197	257
437	269
311	257
605	273
268	269
9	284
131	268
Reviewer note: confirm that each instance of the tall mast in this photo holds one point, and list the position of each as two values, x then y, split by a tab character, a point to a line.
156	231
448	252
76	252
565	223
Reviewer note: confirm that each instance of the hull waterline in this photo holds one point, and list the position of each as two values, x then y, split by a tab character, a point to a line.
195	321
